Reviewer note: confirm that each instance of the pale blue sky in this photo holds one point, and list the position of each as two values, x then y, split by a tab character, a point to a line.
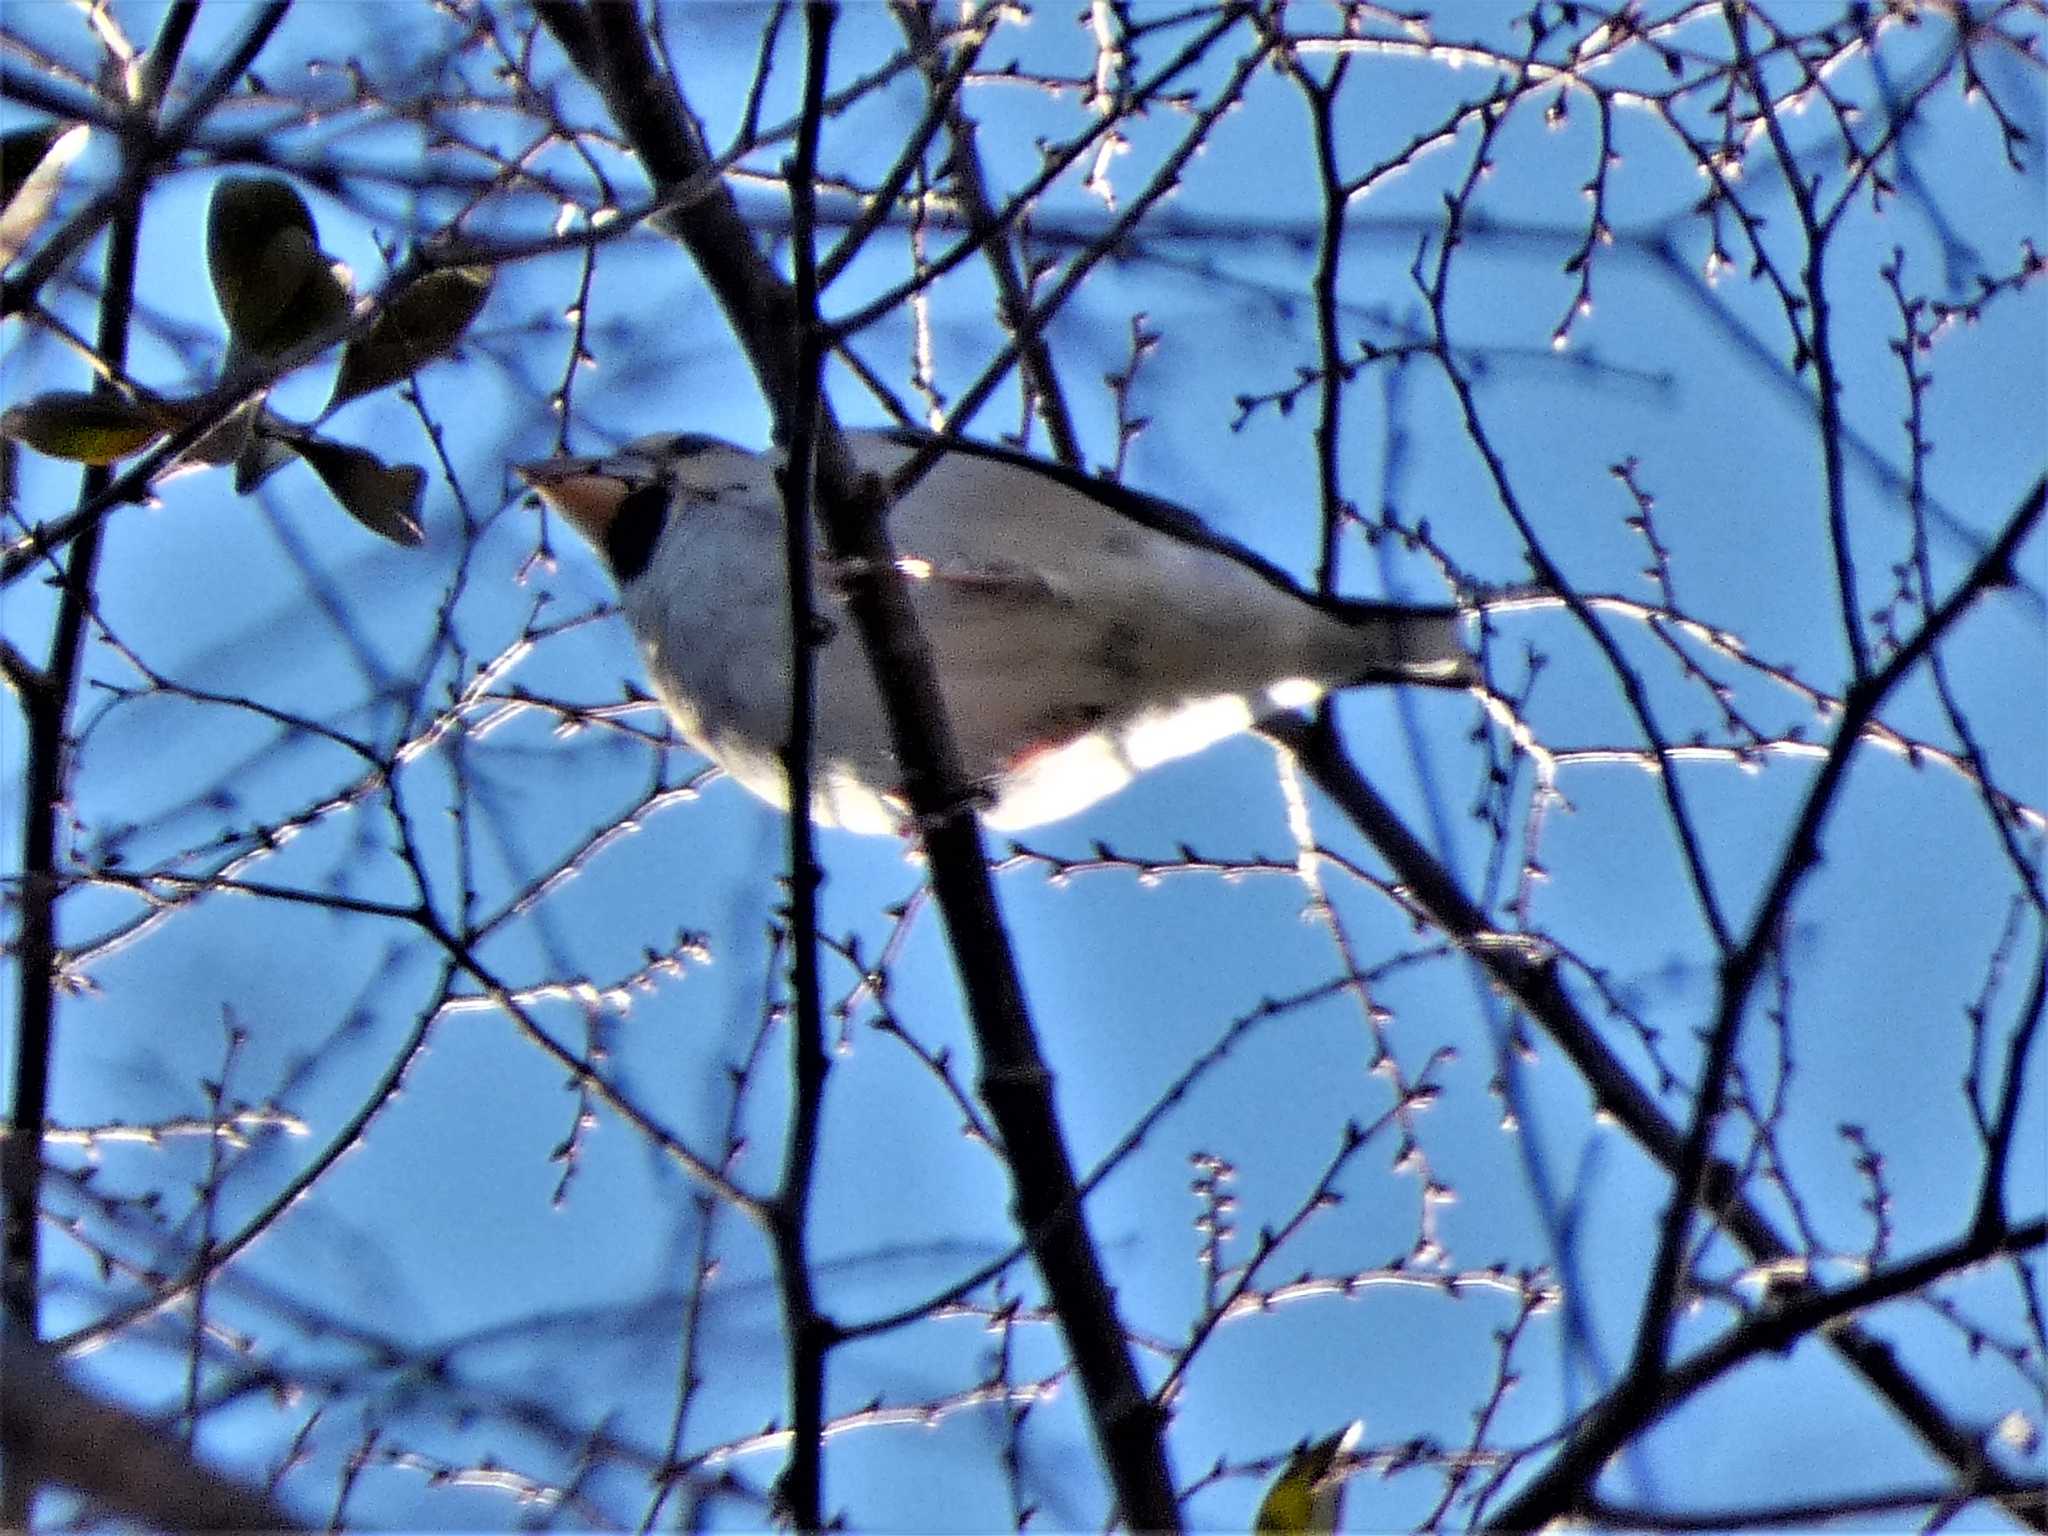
442	1224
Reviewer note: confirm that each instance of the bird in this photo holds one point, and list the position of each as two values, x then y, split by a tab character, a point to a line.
1082	631
1307	1498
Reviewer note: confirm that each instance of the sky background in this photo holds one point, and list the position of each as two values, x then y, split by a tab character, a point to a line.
450	1226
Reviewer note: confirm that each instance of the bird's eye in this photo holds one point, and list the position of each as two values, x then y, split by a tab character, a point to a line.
635	529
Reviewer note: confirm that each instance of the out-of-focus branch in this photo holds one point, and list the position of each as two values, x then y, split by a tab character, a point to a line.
47	701
55	1431
606	42
48	705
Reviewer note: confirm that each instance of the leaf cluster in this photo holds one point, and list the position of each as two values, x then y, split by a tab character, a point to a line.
285	303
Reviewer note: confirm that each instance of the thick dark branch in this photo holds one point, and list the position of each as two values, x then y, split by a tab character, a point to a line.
606	42
808	1335
48	705
58	1433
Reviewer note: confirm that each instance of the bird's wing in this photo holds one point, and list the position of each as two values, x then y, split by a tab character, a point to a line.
962	516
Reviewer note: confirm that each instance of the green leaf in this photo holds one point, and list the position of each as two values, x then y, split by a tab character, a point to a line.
383	499
263	455
82	428
275	287
420	323
32	164
1307	1498
321	303
249	218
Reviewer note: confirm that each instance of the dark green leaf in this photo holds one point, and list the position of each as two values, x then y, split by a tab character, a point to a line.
418	325
383	499
275	287
263	455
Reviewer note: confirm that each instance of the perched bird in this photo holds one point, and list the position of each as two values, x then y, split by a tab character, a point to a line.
1082	631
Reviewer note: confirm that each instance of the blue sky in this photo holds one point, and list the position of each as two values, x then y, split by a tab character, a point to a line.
447	1224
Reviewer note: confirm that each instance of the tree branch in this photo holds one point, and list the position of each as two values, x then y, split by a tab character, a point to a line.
605	41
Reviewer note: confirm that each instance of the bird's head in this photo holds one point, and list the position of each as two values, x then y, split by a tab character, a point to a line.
620	501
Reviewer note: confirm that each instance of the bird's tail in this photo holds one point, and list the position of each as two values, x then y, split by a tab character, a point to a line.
1403	643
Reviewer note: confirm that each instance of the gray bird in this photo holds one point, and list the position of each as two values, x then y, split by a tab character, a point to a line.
1083	632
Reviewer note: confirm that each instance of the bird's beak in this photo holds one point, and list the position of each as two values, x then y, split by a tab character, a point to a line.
585	491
